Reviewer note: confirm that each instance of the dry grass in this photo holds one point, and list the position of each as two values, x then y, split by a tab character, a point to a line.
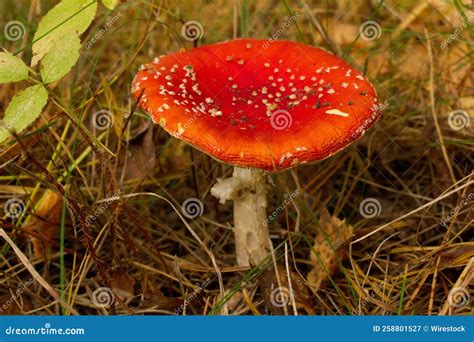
413	162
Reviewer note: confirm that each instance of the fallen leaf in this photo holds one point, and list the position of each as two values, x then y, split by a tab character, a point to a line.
122	283
138	157
328	248
44	222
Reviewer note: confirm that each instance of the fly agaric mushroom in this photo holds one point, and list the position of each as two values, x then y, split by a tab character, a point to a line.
261	108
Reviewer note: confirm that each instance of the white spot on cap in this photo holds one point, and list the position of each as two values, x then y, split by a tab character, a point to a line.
180	128
215	112
285	157
336	112
196	89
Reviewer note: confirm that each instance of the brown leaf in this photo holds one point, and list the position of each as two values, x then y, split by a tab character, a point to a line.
44	222
138	156
158	300
122	283
328	248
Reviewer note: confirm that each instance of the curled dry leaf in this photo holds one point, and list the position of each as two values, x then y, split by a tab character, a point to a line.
44	222
122	283
138	157
328	248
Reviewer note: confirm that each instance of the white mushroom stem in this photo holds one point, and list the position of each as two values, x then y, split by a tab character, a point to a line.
248	189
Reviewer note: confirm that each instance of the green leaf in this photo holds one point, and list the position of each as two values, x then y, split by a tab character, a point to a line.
110	4
61	58
71	17
12	69
23	109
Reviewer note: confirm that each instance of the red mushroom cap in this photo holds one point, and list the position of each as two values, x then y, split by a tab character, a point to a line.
258	103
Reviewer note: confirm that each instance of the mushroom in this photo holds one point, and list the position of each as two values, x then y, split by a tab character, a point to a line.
261	108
